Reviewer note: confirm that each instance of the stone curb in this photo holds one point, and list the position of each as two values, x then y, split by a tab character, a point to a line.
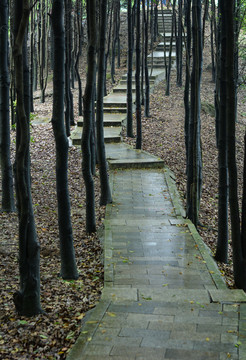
242	332
175	196
204	250
89	326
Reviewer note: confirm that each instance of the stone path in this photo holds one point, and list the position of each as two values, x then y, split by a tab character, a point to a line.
163	296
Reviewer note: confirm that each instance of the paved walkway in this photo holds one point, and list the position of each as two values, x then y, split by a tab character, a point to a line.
164	297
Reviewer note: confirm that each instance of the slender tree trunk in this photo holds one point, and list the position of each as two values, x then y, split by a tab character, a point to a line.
5	162
87	127
32	26
137	80
68	263
104	181
156	20
146	70
27	299
179	45
222	242
194	176
239	261
129	70
108	45
170	50
187	78
212	39
164	40
79	15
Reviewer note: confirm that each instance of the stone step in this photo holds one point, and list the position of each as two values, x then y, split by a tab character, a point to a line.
115	110
125	156
108	120
111	135
151	77
160	55
123	88
114	100
160	46
124	82
135	163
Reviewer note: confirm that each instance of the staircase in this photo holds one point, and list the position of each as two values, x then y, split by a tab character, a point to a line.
115	104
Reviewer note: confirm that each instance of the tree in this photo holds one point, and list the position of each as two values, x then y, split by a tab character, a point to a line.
137	79
222	242
187	77
129	69
145	65
237	235
179	44
104	181
27	299
69	115
6	166
87	126
68	263
194	168
170	49
78	49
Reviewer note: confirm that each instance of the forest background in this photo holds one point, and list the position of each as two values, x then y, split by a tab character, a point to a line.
65	302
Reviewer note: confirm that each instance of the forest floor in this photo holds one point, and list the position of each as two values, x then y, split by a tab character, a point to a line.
50	335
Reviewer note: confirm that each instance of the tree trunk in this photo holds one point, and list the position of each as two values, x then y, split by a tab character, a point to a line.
239	261
5	162
187	78
194	174
87	126
146	70
68	263
170	50
79	15
179	45
137	80
222	242
27	299
104	181
129	70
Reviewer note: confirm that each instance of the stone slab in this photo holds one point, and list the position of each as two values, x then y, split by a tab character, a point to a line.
119	294
228	296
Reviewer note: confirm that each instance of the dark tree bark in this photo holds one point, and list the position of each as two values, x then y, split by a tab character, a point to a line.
69	116
68	263
137	79
156	2
129	70
108	43
115	40
32	47
42	46
146	70
170	49
5	162
27	299
104	181
239	260
222	241
187	77
194	173
213	27
79	27
179	44
164	39
87	126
